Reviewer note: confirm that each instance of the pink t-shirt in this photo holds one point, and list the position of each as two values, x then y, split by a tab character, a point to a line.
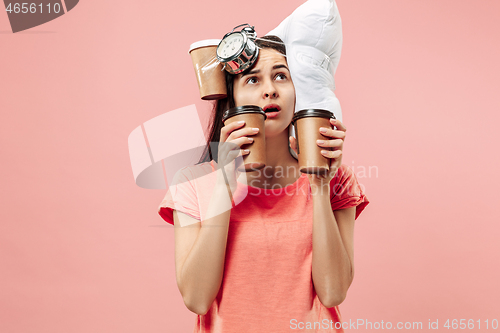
267	284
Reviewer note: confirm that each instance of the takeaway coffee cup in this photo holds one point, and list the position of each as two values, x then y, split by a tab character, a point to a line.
209	72
306	125
253	116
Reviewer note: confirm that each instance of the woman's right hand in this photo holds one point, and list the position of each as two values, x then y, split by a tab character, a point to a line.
232	137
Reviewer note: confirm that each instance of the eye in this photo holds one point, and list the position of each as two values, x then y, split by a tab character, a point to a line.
251	80
281	77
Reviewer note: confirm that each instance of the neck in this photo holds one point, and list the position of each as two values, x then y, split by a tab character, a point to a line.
277	153
281	167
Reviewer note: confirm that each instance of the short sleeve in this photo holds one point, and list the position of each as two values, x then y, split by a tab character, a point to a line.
181	196
346	192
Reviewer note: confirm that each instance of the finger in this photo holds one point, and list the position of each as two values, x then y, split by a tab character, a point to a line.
240	152
226	130
247	131
237	143
244	152
331	153
329	132
337	143
293	144
239	158
236	155
337	123
227	146
244	140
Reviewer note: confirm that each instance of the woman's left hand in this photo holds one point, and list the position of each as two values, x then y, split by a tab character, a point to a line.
336	141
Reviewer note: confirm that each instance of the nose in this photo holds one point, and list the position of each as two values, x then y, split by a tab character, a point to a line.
269	90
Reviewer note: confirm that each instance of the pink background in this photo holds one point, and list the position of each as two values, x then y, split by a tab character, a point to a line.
82	248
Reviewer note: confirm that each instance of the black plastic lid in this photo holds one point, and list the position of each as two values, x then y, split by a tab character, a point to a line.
313	113
242	109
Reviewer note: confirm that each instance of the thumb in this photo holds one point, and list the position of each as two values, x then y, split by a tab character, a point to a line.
293	143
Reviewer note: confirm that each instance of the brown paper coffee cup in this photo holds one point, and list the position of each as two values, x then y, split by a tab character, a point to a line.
253	116
307	124
209	72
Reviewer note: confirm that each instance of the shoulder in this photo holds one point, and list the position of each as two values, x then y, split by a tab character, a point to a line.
346	191
343	173
345	182
192	173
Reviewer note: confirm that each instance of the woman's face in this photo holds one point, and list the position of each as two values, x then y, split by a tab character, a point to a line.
268	85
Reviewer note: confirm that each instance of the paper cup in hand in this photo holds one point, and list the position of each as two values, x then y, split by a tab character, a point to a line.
307	124
253	116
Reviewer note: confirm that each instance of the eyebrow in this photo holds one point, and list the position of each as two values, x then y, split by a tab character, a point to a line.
256	71
280	66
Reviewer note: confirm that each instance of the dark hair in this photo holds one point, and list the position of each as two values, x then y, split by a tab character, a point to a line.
221	105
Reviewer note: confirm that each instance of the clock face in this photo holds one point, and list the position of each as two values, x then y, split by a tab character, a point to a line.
230	45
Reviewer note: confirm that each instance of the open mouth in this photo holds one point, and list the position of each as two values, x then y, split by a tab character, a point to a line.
271	108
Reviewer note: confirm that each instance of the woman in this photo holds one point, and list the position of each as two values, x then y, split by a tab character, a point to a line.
280	260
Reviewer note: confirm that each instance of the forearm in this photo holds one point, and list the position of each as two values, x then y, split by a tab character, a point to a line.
202	272
331	266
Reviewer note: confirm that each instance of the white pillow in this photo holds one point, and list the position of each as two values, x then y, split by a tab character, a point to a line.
313	40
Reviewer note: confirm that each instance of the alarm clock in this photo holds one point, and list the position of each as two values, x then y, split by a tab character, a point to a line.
237	50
